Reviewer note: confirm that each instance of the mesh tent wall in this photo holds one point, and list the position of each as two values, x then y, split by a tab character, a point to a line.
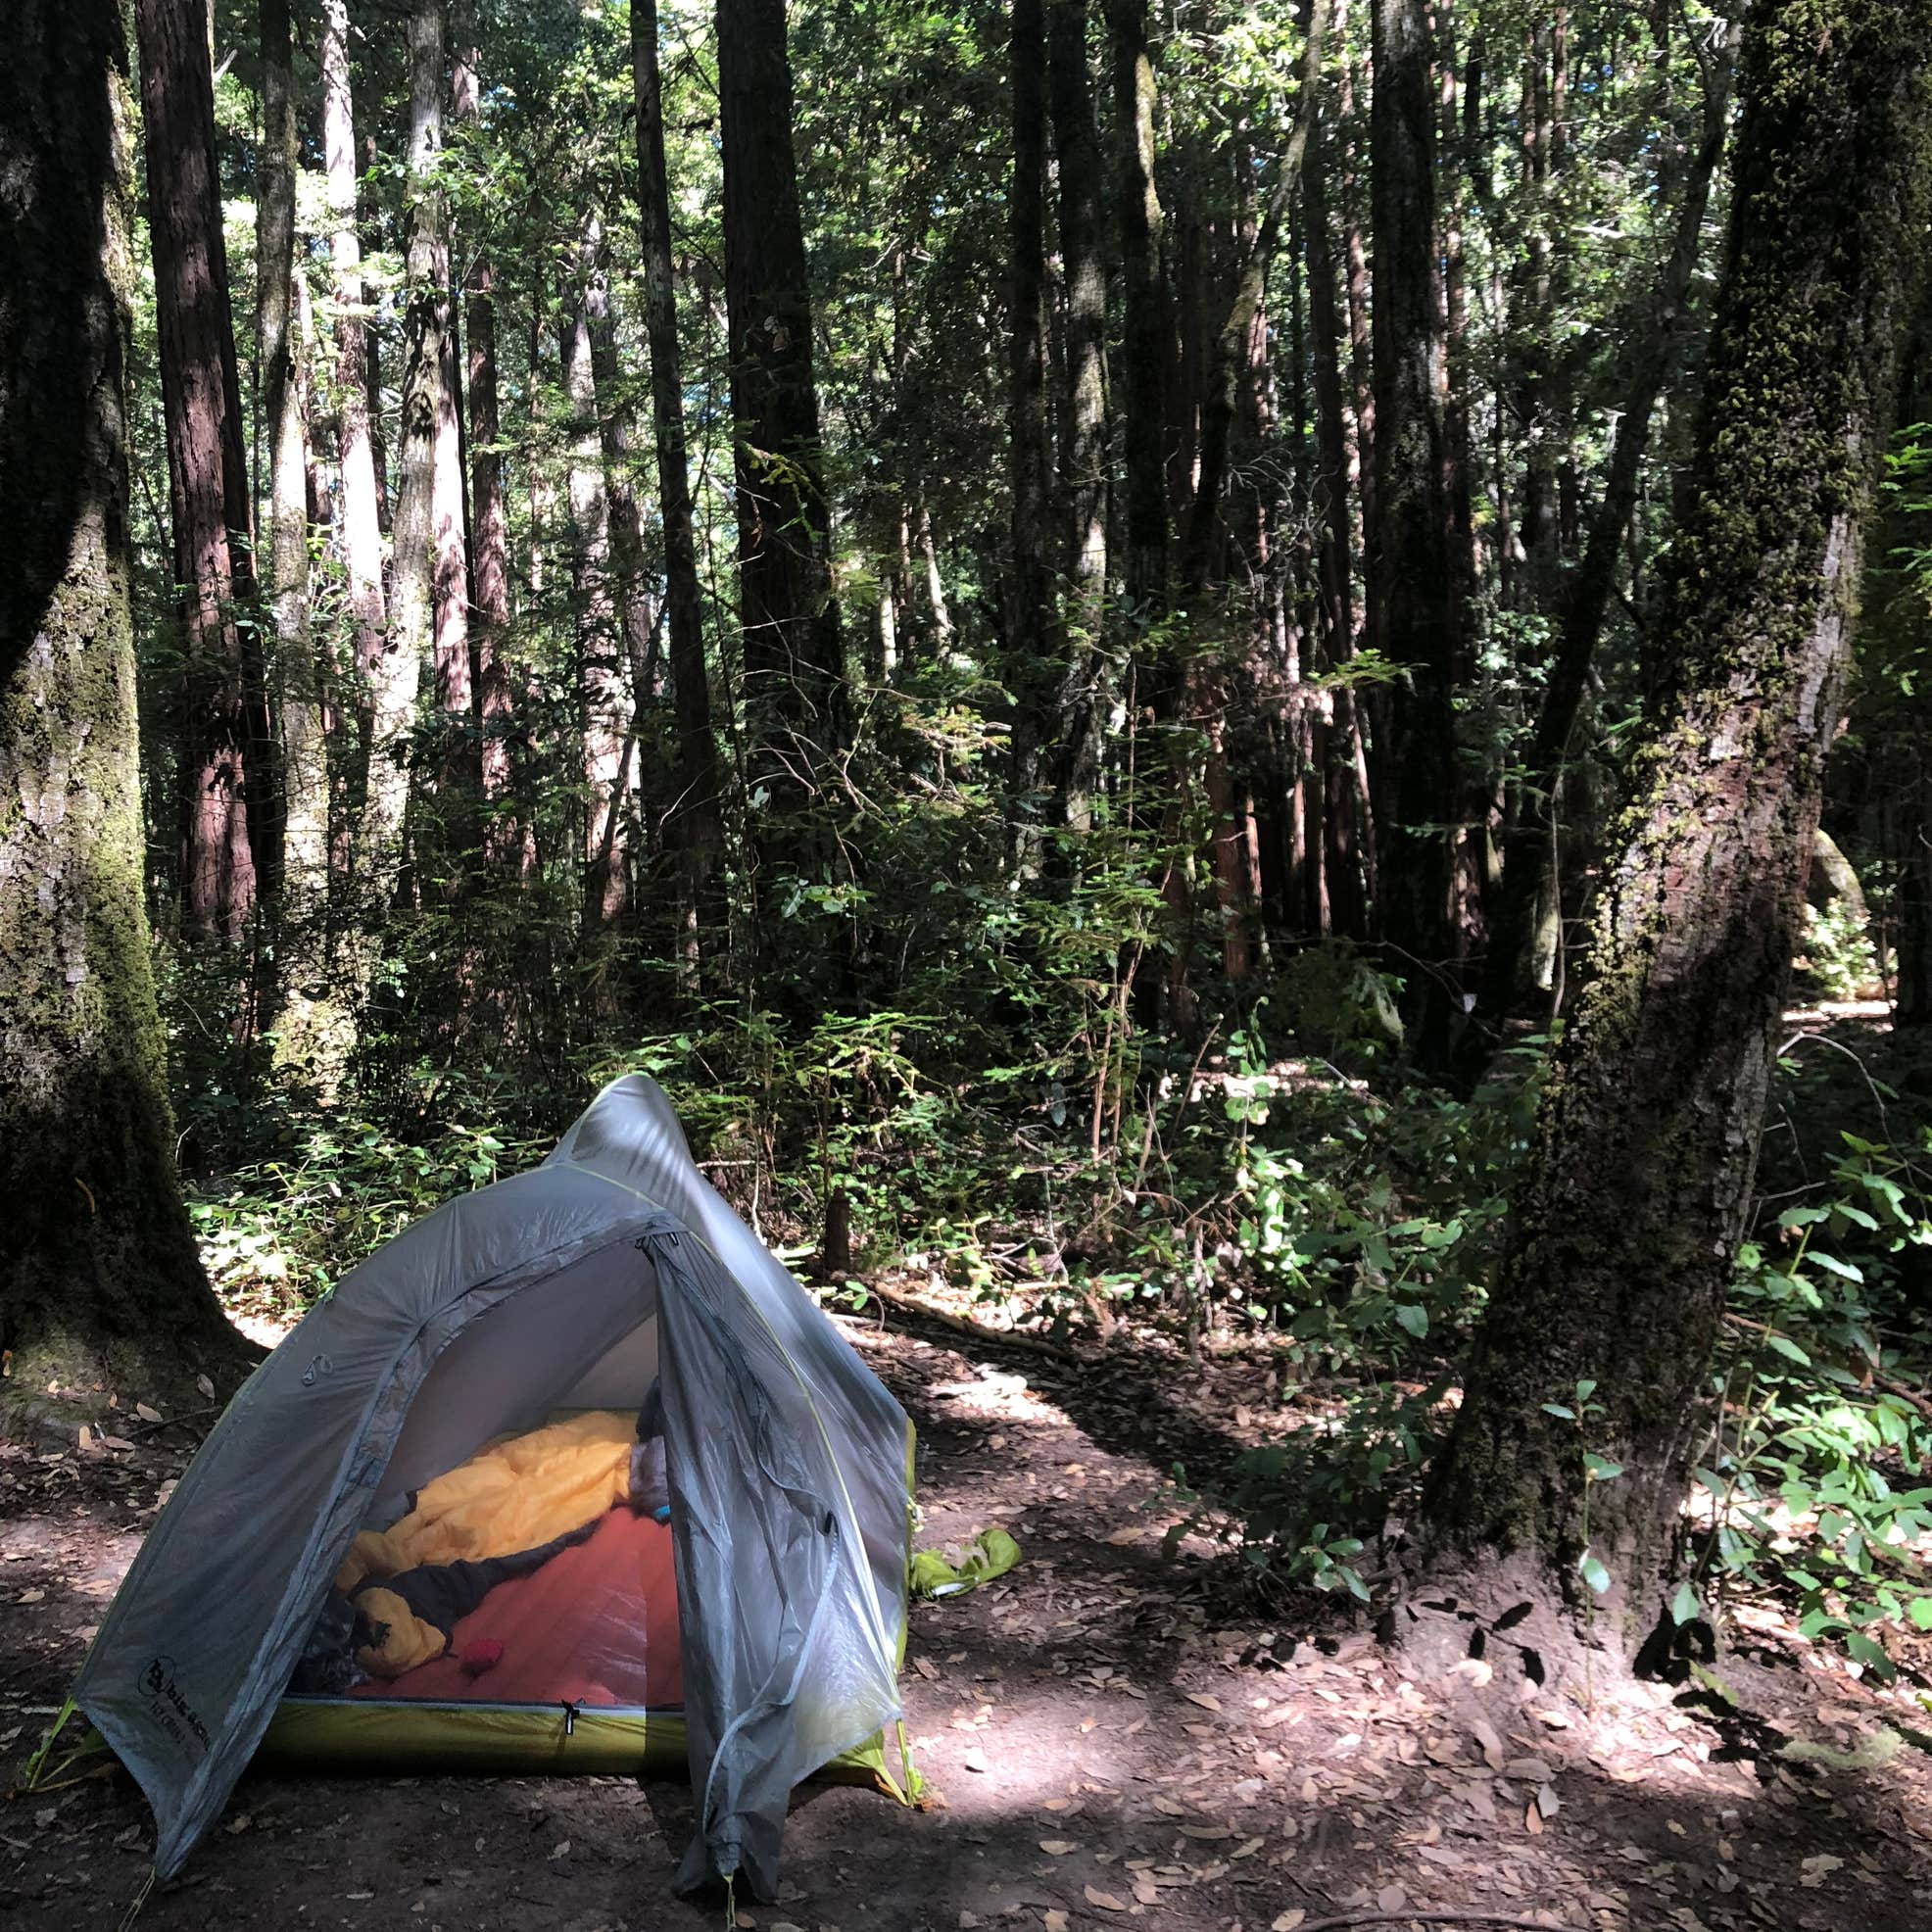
566	1286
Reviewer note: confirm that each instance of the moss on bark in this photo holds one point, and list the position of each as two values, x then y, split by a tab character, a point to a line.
1627	1234
100	1284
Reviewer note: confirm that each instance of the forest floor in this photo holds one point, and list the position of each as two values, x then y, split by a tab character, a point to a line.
1109	1734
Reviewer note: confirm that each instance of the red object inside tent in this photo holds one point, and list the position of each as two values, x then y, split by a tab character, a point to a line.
597	1625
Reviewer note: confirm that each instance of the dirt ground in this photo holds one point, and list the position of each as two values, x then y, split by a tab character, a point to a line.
1109	1736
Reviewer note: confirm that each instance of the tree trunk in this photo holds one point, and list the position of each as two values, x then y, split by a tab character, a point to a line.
1419	620
225	838
603	707
1625	1238
1029	470
700	822
429	613
1083	466
794	673
1145	329
100	1284
504	841
382	704
1527	842
303	772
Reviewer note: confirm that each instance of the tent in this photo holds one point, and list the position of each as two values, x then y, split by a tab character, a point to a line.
605	1300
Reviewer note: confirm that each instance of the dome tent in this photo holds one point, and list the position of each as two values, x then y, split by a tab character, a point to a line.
568	1288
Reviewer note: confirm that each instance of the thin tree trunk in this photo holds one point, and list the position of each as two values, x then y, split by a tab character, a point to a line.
1661	1080
1082	463
100	1284
304	785
505	843
224	848
1232	345
604	704
384	699
1144	338
1419	617
1029	470
1528	839
699	819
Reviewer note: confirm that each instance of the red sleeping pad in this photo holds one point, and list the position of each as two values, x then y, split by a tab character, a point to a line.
597	1624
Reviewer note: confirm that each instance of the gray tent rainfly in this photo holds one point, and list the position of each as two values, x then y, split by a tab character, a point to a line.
578	1286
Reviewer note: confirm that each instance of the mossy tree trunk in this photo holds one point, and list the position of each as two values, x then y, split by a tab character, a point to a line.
100	1286
1626	1234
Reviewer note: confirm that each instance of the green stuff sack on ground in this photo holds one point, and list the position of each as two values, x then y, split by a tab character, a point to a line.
992	1553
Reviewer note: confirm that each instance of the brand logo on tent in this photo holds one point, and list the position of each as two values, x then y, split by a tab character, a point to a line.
165	1704
321	1365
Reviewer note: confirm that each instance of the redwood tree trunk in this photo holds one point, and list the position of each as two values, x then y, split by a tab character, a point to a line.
225	841
100	1284
794	670
1625	1235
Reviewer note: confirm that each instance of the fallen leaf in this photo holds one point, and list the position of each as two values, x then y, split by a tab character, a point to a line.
1532	1820
926	1667
149	1414
1484	1733
206	1386
1205	1699
562	1848
1392	1898
238	1824
1288	1920
1208	1834
1058	1848
86	1436
359	1895
1105	1901
1054	1922
31	1596
1546	1801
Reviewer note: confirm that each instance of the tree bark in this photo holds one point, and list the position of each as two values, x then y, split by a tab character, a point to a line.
795	672
1623	1240
100	1283
226	838
700	820
1418	618
1083	455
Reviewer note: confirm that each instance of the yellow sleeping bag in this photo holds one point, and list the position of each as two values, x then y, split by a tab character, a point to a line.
512	1496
